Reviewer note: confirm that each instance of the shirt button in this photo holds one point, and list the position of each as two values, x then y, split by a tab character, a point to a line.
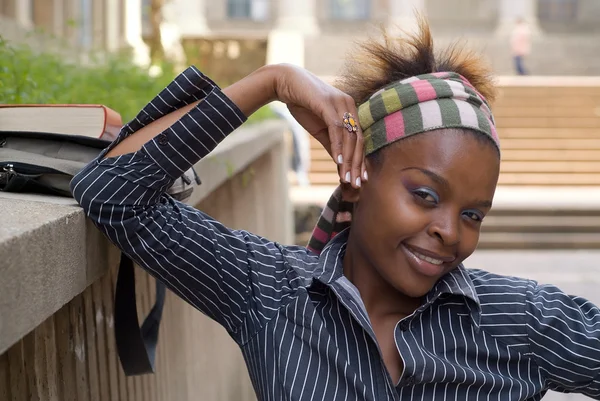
162	139
409	381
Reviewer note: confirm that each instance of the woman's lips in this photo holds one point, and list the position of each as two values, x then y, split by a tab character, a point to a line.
426	263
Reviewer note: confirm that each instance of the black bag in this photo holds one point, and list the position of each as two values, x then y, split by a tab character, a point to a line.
45	163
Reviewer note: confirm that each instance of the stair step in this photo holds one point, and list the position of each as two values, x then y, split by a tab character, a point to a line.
519	240
525	155
537	111
539	241
541	224
544	179
328	166
548	122
556	144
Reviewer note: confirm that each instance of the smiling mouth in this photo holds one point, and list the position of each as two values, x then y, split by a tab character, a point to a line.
428	256
433	261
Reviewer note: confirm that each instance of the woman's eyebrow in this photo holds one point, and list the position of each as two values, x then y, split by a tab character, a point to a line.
483	203
435	177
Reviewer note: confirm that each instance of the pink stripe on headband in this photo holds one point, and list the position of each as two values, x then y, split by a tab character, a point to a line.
424	90
394	126
320	235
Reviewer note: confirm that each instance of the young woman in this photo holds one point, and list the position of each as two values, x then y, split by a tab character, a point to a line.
379	307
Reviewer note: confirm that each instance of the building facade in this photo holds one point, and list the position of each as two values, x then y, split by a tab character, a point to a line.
566	32
80	25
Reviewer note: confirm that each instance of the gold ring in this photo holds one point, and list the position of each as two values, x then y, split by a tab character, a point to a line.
350	122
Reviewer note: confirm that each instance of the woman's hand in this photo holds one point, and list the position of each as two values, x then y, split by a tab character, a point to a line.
320	108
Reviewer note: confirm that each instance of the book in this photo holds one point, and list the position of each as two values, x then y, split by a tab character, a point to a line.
91	120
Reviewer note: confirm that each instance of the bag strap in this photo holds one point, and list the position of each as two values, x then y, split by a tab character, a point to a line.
136	346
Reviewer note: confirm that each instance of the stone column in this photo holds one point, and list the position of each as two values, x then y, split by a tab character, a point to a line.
133	32
299	16
111	24
99	17
403	14
181	18
296	20
23	12
58	17
72	12
188	15
510	10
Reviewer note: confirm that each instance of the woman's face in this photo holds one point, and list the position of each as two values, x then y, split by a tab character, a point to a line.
419	215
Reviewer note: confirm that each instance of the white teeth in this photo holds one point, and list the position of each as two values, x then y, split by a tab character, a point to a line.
427	258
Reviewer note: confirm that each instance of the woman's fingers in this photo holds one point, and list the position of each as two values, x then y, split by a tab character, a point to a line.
349	145
346	140
351	169
357	163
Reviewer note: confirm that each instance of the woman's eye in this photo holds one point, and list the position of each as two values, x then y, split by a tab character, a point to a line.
474	216
427	196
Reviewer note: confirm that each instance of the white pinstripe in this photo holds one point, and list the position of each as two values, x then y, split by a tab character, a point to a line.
298	321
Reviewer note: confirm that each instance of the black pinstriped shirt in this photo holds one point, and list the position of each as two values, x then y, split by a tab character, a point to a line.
300	324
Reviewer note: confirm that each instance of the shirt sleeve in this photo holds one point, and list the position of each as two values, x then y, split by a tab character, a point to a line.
564	338
220	271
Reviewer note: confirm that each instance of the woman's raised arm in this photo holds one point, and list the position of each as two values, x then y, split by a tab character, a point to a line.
220	271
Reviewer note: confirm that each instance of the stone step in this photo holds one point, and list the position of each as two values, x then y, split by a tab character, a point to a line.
548	122
507	166
319	155
548	240
529	223
536	144
529	111
535	179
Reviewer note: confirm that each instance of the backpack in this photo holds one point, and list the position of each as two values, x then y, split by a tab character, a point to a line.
45	163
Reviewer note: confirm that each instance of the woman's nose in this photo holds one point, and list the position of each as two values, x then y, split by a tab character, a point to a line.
446	227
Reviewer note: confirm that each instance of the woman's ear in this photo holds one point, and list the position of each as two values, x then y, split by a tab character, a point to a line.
349	193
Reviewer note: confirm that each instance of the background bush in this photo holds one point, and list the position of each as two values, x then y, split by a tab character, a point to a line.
30	77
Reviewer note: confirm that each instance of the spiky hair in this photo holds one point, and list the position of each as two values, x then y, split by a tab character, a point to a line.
379	62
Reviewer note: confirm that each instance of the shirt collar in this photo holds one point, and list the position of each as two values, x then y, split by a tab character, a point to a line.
457	283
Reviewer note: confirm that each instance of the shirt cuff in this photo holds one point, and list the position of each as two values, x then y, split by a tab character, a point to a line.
195	135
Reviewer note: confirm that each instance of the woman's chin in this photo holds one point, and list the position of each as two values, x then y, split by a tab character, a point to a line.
414	287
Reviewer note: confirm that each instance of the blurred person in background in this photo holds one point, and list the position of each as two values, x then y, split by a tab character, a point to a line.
520	43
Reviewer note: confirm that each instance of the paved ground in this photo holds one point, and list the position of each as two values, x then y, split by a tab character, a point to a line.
575	272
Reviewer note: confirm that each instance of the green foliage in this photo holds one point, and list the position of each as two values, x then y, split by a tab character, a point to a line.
30	77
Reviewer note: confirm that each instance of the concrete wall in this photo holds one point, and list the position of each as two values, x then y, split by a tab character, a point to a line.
56	298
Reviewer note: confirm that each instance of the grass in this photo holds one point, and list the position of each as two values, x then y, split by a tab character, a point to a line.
27	77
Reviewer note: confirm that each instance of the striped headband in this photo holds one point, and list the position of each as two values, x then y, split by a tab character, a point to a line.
412	106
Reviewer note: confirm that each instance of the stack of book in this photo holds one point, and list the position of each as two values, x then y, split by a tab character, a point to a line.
90	120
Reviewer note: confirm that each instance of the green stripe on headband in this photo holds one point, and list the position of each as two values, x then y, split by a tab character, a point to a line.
457	105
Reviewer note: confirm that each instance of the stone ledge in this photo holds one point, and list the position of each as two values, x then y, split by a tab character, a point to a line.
50	253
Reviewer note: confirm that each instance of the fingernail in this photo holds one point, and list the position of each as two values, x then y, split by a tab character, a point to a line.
358	181
340	160
366	177
347	178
